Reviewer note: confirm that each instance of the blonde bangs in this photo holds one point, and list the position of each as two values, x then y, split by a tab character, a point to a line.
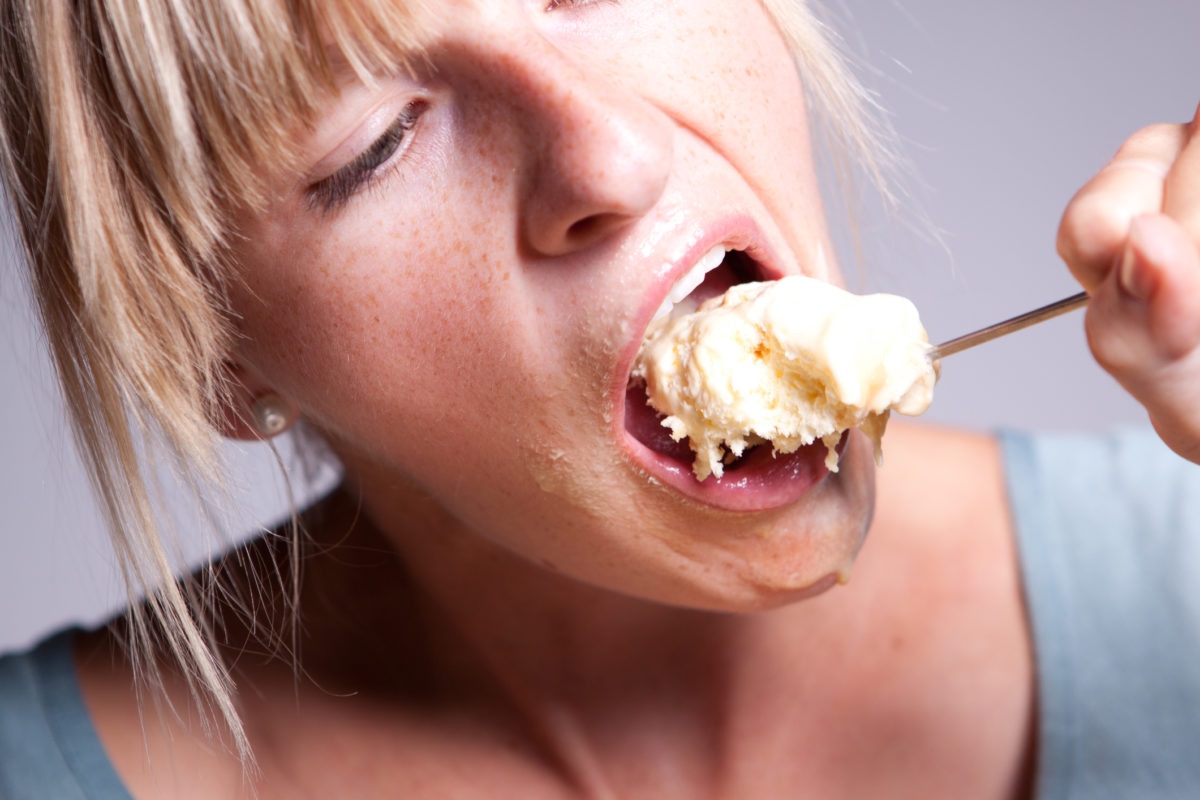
164	117
214	91
131	133
132	130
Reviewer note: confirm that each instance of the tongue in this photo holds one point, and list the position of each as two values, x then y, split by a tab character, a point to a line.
645	424
641	420
757	466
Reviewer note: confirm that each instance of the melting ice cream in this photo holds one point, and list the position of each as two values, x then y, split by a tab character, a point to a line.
784	363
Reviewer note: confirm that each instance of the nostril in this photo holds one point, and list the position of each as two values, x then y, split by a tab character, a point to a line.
602	166
584	231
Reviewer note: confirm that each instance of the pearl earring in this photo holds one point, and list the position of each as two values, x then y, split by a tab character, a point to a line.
270	415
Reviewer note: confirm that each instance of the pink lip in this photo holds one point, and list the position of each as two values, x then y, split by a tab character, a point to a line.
768	481
762	482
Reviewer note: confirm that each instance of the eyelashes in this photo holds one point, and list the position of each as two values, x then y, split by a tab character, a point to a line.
553	5
330	194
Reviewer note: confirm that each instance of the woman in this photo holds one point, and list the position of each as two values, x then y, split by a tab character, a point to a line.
435	233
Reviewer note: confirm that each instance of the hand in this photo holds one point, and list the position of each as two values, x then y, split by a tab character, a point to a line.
1131	236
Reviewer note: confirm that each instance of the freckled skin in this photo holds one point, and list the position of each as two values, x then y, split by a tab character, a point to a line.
455	330
461	333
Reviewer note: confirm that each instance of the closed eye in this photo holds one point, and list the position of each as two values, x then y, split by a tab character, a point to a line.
553	5
332	193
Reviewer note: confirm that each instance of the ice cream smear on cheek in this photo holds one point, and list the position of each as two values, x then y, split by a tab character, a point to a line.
731	366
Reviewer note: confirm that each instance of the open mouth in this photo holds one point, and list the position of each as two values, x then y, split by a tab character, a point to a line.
715	273
759	478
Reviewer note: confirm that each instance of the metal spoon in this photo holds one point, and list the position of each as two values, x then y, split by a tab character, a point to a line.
1008	326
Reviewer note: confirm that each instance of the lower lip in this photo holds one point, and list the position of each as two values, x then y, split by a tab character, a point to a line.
761	481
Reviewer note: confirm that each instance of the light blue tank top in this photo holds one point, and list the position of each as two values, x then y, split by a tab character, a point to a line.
1109	536
49	749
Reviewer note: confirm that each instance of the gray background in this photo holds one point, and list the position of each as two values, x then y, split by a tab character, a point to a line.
1004	109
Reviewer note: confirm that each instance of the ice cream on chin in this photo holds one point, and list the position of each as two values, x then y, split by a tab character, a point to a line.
784	363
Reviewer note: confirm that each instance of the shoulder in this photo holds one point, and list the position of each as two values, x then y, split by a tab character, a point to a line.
940	481
941	528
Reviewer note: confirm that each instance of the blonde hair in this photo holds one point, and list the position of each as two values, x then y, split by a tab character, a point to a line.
130	130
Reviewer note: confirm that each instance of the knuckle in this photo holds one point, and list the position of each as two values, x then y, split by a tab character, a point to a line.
1161	139
1092	229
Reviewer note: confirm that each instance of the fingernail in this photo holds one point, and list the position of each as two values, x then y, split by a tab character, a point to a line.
1132	276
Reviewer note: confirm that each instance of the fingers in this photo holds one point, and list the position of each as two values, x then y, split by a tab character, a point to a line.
1181	198
1096	223
1131	236
1147	314
1143	326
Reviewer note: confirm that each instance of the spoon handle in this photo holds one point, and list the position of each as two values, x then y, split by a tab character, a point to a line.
1008	326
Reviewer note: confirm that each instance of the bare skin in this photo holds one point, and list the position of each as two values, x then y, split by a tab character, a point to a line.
524	603
546	689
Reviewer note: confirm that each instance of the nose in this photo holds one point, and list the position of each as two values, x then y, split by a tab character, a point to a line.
597	155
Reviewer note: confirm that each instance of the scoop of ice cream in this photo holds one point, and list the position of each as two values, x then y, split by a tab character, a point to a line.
786	363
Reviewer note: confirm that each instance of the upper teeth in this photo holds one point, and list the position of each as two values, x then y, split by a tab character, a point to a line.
689	282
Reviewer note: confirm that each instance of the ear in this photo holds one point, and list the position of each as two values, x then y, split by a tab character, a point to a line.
252	410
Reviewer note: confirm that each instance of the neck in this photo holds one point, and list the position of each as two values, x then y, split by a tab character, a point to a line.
598	682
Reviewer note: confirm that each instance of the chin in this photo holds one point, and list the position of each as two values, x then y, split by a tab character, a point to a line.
687	553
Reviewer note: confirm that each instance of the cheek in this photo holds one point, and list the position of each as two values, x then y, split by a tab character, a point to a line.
430	356
765	107
733	83
361	323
